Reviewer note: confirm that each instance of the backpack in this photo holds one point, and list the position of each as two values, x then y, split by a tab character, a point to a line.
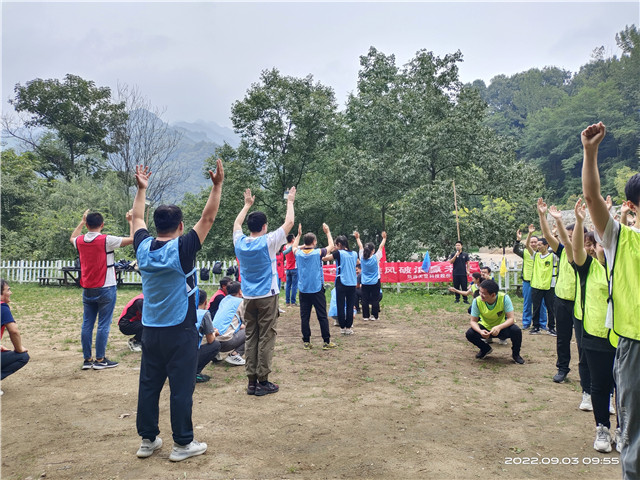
204	274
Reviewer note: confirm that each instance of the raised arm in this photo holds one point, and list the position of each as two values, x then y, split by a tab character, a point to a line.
326	230
562	232
517	246
591	138
296	241
248	202
527	244
290	216
624	212
579	253
128	240
78	230
210	210
544	225
356	234
142	179
384	240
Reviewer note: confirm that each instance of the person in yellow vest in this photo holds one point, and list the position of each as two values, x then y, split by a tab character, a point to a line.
565	291
592	292
527	269
621	246
541	283
492	316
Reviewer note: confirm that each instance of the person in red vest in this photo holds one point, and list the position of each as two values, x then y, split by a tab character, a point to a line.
98	280
130	322
218	296
291	272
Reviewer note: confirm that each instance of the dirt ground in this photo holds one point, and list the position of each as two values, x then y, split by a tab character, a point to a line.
402	398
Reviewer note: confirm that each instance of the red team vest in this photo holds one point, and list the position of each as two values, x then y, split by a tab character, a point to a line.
93	261
215	295
138	315
290	260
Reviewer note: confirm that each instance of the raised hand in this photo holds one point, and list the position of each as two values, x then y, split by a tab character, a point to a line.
555	213
292	194
626	206
542	207
248	199
593	135
518	235
142	176
129	215
580	210
84	215
325	228
384	235
218	177
532	228
609	202
356	234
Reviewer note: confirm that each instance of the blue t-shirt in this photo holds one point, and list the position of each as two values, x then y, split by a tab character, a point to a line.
508	306
6	314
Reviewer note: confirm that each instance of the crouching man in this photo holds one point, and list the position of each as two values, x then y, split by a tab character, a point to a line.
492	316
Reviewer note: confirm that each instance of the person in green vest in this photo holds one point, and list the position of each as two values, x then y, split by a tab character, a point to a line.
592	294
492	315
541	282
527	269
621	246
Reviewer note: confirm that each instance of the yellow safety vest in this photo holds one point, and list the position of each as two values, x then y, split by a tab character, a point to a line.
594	300
624	286
527	265
566	284
542	271
493	317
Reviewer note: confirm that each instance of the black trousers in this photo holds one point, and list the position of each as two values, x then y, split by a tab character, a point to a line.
371	296
345	295
513	332
564	327
583	366
131	328
601	374
207	353
460	283
319	302
536	300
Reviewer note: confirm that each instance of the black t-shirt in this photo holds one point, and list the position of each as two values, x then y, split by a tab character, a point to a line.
215	304
188	247
460	263
590	342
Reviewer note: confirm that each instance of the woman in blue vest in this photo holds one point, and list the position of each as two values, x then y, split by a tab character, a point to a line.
346	280
369	261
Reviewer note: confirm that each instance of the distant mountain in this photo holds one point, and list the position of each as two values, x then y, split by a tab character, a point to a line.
207	131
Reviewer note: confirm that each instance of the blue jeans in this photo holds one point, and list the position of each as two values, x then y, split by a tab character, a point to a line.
291	288
12	362
527	307
98	302
625	374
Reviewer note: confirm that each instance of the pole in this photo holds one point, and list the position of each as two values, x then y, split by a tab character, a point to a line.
455	201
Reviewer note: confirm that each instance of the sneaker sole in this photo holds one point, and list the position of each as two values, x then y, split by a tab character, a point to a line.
175	458
147	453
102	367
262	393
87	367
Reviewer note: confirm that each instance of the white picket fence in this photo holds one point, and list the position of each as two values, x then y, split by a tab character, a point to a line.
30	271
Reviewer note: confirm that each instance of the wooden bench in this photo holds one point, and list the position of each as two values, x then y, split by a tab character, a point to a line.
47	280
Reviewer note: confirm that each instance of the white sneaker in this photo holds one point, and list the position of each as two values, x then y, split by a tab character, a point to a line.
586	405
182	452
348	331
617	439
335	323
147	447
343	331
612	405
373	319
603	439
503	341
134	345
366	318
234	360
281	310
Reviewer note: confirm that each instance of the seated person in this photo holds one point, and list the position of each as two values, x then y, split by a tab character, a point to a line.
130	322
492	316
208	351
358	299
486	273
473	288
12	360
218	296
229	321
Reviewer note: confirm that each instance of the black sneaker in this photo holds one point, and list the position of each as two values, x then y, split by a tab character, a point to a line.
87	365
552	332
264	388
466	301
456	301
104	363
560	376
251	388
518	359
535	331
201	378
481	354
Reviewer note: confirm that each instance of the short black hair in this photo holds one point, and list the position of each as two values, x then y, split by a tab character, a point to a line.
476	275
3	282
490	286
543	241
202	296
255	221
233	287
224	281
309	238
487	268
632	190
459	242
94	220
290	237
167	218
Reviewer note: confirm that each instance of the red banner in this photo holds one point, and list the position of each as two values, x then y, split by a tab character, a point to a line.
409	272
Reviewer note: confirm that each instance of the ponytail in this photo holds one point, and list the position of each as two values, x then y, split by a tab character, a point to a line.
368	250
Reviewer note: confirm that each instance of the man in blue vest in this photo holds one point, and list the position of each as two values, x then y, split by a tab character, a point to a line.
169	338
621	246
98	281
256	254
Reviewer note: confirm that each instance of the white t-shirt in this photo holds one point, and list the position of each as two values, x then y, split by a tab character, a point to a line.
111	244
274	241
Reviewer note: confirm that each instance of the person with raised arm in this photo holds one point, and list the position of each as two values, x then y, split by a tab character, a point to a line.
170	338
256	254
370	264
346	280
460	261
541	279
621	246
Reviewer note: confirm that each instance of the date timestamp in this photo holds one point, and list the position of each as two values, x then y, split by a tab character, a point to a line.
562	461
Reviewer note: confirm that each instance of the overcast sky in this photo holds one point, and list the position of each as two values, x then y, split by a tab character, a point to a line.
196	59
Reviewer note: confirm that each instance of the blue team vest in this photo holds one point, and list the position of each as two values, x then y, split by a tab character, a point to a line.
347	268
164	284
310	274
256	271
370	270
226	311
